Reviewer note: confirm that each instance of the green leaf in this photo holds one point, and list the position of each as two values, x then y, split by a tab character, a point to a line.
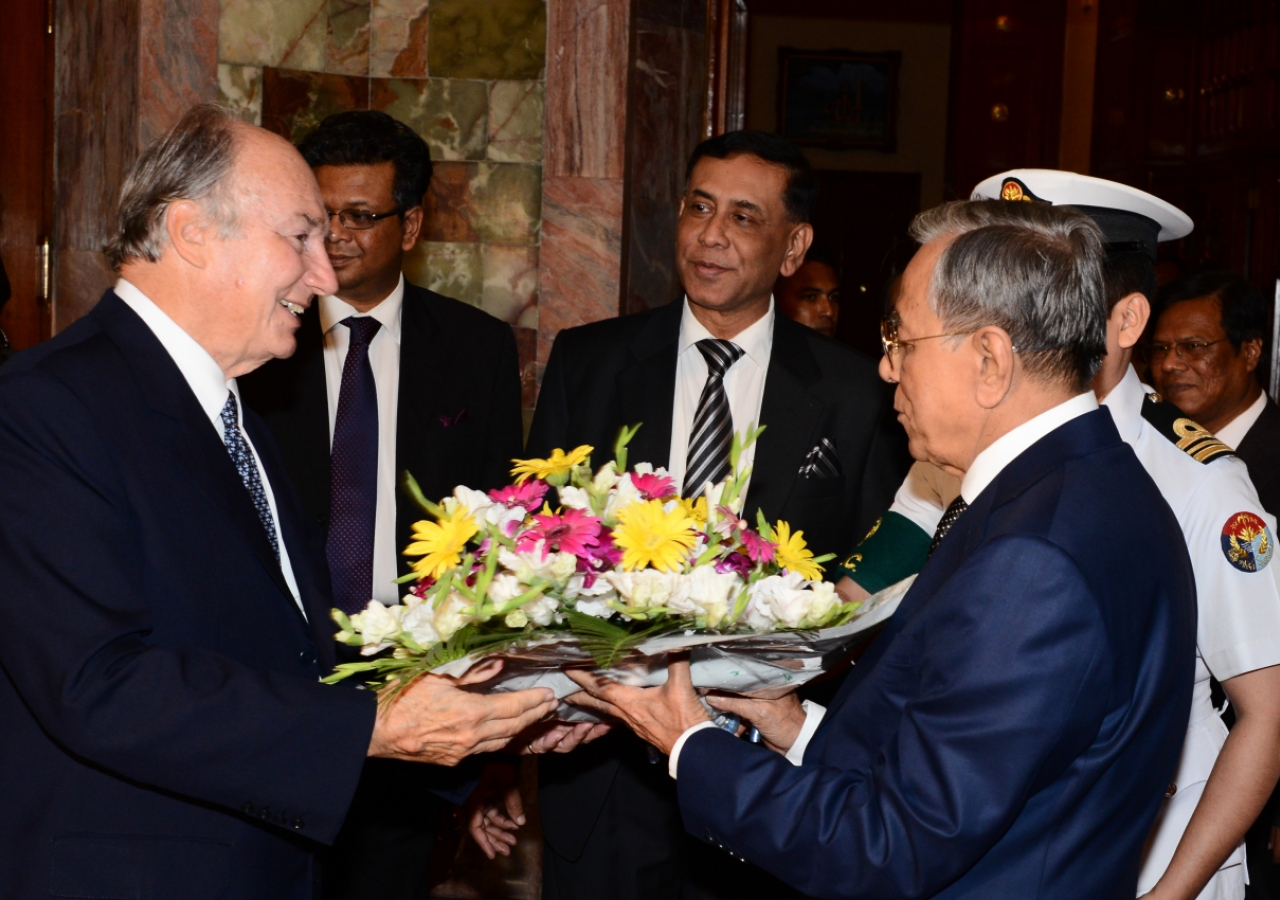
410	486
606	641
620	445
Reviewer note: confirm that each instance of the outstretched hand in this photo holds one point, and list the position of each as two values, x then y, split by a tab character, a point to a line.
495	809
778	721
658	715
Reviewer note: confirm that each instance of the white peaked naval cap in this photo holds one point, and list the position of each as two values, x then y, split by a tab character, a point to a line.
1126	215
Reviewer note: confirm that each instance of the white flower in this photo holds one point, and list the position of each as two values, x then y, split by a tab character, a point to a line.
516	619
823	601
711	592
649	588
541	609
624	494
563	565
504	588
418	620
376	625
787	601
598	608
476	502
530	566
574	498
453	614
606	478
577	587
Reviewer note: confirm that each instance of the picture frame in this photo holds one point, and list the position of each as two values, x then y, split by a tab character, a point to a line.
839	99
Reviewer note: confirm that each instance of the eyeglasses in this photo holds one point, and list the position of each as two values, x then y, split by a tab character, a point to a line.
359	219
892	344
1188	351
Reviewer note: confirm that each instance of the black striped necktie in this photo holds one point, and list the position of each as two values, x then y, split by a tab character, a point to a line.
949	517
712	432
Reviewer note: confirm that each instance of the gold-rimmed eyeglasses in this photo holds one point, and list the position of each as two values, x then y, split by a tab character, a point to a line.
1188	351
892	344
360	219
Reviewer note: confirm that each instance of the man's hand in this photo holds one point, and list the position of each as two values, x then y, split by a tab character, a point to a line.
435	721
557	737
495	809
779	721
658	715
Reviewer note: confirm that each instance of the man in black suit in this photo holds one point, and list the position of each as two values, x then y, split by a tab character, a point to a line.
165	620
439	413
691	372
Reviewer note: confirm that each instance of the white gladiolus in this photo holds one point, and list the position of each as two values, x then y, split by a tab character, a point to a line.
452	615
649	588
504	588
530	566
376	625
563	565
419	620
822	601
541	609
779	599
476	502
606	478
574	498
624	494
598	608
711	592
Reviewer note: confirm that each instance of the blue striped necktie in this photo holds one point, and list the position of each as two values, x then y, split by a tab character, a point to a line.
712	432
247	466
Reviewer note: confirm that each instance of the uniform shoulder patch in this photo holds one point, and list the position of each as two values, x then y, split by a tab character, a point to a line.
1246	542
1185	434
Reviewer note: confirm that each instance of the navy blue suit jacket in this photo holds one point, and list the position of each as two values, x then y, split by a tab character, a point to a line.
1011	733
164	733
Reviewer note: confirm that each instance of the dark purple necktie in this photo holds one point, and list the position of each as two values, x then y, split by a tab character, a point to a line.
353	473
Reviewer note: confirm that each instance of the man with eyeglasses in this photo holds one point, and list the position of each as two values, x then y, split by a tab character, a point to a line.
384	380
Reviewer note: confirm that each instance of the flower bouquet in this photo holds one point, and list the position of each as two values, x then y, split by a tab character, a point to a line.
621	572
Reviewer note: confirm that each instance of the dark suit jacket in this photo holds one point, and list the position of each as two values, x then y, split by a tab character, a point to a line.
1260	451
164	731
1011	733
458	416
622	371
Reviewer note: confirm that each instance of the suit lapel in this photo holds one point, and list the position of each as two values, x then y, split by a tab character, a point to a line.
185	431
791	416
647	387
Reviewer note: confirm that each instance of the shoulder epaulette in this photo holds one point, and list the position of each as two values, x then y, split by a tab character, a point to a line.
1187	435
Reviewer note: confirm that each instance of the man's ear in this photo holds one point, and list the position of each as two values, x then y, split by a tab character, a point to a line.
995	362
1252	352
797	246
1132	314
413	219
188	227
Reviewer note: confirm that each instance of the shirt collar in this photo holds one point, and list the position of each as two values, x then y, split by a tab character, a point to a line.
1234	431
991	461
333	310
1124	402
756	340
202	373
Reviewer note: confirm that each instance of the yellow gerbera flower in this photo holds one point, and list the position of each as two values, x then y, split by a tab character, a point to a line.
792	555
440	543
695	509
559	463
651	536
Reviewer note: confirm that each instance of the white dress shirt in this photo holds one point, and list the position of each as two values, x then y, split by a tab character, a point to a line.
743	383
206	380
1234	431
384	359
984	469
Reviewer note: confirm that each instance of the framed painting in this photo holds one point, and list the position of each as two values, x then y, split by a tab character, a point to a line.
839	99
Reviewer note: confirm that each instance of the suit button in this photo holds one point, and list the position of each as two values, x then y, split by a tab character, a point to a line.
298	824
247	809
308	658
1170	790
264	813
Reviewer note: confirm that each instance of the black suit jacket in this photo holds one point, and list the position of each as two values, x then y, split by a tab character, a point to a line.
164	733
622	371
1260	451
458	416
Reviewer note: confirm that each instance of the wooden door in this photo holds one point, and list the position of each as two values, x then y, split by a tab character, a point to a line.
26	170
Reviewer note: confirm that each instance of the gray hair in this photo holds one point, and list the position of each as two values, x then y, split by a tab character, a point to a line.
1034	270
193	161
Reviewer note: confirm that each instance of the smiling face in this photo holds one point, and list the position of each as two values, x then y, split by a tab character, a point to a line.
1212	390
267	270
366	261
811	297
734	236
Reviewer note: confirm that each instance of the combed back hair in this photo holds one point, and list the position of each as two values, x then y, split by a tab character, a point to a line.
802	185
826	256
367	137
1032	269
1245	316
192	161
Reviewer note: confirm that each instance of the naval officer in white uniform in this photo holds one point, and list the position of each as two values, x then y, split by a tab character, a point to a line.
1223	778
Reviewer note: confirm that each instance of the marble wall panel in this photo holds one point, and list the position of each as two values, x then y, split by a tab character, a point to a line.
448	113
348	48
448	205
506	203
588	46
578	274
453	269
294	103
398	39
511	284
177	61
527	348
488	38
291	34
516	113
240	89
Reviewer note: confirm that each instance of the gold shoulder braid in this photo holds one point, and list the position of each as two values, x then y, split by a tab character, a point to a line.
1187	435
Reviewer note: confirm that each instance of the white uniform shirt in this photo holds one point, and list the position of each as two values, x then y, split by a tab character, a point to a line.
1238	624
743	383
384	359
205	378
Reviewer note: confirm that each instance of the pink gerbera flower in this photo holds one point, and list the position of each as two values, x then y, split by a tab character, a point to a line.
528	495
760	550
653	487
573	531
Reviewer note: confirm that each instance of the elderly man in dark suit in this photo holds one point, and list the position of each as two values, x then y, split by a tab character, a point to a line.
166	607
1012	731
693	372
385	380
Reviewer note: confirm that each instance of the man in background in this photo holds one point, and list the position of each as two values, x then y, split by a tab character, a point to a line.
694	372
388	377
1208	340
811	294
